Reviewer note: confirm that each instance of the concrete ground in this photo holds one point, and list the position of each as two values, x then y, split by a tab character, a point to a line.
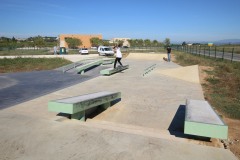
146	124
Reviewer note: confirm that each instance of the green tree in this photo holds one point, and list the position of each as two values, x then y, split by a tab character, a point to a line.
95	42
167	42
130	41
133	42
155	43
13	44
119	42
104	42
139	42
184	43
73	42
38	41
5	42
147	42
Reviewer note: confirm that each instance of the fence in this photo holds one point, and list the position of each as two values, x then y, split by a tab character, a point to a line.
143	49
215	52
25	51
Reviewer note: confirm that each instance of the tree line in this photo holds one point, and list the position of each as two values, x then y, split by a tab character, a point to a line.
39	42
95	42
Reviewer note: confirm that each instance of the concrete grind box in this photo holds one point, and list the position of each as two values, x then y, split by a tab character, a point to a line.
202	120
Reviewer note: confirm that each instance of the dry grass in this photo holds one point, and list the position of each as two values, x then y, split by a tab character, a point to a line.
221	85
30	64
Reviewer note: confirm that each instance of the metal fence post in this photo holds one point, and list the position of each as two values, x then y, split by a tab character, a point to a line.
215	52
209	51
223	54
232	54
204	51
199	50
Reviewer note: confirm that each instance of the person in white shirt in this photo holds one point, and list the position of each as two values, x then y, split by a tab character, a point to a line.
118	56
55	49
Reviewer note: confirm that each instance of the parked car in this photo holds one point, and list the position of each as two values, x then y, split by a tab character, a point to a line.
83	51
105	51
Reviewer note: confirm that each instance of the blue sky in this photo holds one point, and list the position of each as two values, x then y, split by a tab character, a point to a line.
179	20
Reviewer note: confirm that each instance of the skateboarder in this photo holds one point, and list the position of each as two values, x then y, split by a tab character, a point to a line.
118	55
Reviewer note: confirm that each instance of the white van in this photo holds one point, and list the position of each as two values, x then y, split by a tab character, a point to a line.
104	50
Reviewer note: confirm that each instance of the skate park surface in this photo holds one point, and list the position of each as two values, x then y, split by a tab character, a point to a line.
146	124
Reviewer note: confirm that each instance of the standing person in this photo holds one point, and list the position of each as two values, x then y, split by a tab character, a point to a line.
55	50
169	53
118	56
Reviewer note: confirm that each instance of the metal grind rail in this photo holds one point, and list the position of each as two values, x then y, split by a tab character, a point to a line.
149	69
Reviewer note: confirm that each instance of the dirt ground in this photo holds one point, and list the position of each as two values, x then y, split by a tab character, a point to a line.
233	125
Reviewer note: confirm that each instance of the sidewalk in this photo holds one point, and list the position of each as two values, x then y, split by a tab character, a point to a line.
152	102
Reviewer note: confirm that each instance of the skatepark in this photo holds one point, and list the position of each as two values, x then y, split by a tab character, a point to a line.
147	123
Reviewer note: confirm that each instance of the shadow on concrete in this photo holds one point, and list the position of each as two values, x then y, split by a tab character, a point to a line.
98	110
66	115
90	68
176	127
177	124
115	101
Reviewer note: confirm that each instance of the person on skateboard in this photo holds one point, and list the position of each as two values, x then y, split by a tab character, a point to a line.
118	55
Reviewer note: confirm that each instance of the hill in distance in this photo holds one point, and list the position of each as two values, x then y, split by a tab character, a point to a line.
228	41
225	41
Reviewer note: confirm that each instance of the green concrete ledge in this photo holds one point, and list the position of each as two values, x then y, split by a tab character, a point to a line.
75	64
202	120
110	71
76	106
81	69
206	130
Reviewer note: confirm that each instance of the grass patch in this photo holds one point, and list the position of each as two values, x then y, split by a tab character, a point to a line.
30	64
222	87
19	52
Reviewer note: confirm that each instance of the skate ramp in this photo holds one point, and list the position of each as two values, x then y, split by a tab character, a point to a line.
190	73
146	56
